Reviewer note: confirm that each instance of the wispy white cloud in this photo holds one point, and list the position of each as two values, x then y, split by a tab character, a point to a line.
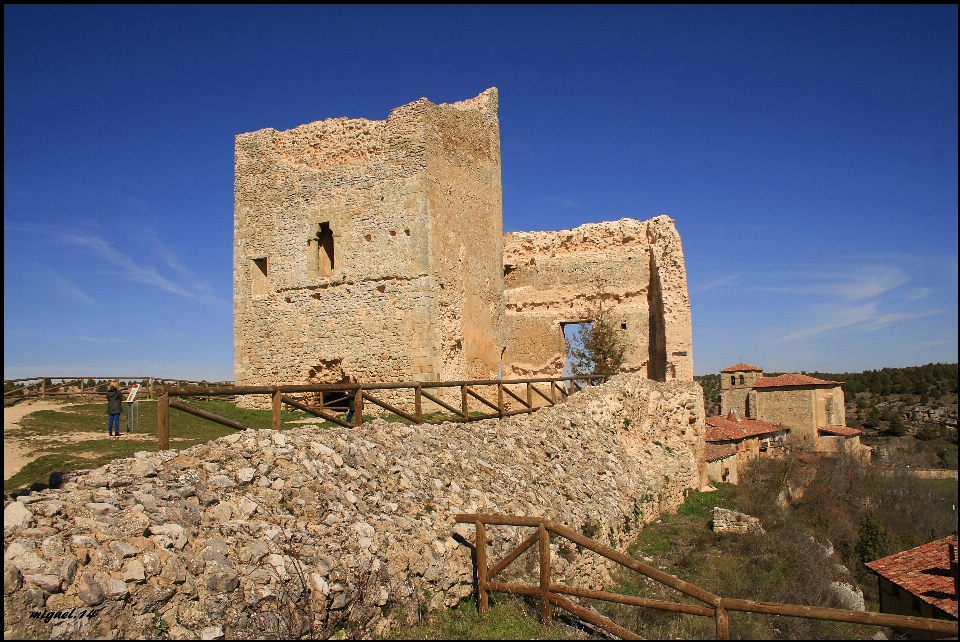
562	201
97	339
727	280
862	295
61	285
137	273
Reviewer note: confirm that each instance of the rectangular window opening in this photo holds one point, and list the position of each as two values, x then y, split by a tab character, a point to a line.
325	253
259	284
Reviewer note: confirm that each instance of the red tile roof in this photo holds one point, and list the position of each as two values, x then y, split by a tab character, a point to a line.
728	429
792	380
843	432
742	367
716	452
924	571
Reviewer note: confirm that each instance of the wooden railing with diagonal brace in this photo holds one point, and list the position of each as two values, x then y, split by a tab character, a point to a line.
360	393
715	606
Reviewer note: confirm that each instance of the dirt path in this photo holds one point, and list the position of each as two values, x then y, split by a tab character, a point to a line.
19	451
16	453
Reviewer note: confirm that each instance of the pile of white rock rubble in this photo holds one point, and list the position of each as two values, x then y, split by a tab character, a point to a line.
311	531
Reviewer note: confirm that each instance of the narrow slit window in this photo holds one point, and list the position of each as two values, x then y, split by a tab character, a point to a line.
733	380
741	380
259	284
325	253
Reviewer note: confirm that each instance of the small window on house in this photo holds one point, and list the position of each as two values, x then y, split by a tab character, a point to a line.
741	380
623	326
733	380
259	284
325	254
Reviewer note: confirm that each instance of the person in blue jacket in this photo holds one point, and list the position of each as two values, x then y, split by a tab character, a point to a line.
114	408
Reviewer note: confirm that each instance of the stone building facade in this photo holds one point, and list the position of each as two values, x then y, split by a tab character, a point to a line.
812	408
375	250
735	384
635	269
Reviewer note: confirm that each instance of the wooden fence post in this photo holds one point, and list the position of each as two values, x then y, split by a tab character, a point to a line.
723	623
529	398
149	387
418	405
163	422
81	387
463	400
358	407
483	603
500	399
553	393
544	574
276	409
43	388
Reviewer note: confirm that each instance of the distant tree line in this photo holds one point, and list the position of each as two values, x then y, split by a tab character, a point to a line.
933	380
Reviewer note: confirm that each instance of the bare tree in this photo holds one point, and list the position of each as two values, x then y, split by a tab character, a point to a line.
600	347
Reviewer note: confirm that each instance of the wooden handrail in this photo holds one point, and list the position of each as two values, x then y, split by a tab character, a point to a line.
549	592
359	393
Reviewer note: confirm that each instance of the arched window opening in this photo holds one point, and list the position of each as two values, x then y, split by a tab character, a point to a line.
733	380
741	380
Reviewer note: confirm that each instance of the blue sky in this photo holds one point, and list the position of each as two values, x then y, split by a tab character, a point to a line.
807	154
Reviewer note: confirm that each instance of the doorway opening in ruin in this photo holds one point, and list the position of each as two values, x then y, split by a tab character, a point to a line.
657	360
259	284
576	361
325	255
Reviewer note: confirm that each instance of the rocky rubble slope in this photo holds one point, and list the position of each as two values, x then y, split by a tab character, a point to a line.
313	531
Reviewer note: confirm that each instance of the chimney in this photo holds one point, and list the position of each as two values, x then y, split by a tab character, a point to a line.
732	416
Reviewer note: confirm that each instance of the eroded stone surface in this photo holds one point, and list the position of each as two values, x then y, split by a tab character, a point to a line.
363	518
375	250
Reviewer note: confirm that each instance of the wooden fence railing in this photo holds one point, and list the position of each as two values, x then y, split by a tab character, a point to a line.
715	606
357	394
37	387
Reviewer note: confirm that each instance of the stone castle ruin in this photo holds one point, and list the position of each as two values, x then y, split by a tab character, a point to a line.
375	250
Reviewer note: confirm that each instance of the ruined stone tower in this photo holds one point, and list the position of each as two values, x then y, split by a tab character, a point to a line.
371	248
375	249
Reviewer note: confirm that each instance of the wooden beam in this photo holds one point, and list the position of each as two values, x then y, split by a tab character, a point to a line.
313	411
595	619
544	547
418	404
230	423
514	554
443	404
276	410
507	390
358	407
481	399
500	520
385	405
625	560
481	548
537	390
948	627
661	605
163	423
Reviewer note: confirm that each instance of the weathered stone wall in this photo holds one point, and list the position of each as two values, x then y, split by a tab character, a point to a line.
374	249
734	395
803	409
635	268
411	207
207	542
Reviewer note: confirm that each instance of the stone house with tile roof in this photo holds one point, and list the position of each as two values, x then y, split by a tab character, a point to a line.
733	441
921	581
813	409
